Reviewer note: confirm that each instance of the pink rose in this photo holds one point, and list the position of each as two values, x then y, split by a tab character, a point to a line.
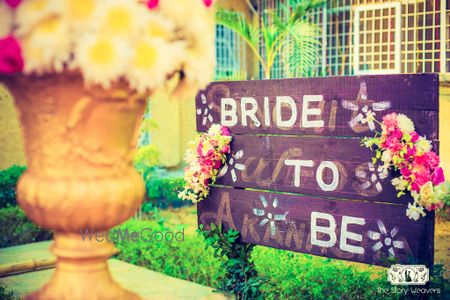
406	172
11	60
421	177
414	136
431	159
225	131
226	149
392	143
208	3
438	176
397	133
217	164
152	4
13	3
390	121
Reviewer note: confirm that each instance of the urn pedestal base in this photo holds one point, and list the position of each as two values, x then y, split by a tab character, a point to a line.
81	271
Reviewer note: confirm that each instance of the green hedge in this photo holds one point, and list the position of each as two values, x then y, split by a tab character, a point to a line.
162	192
8	180
17	229
291	275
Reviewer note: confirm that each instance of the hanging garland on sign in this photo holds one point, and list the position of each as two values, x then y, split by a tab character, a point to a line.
401	148
205	156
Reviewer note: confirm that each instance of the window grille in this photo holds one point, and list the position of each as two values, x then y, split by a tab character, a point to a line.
378	37
230	55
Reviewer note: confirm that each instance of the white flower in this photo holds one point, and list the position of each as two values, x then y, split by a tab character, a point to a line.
153	60
30	12
414	212
405	124
422	145
119	17
399	183
80	15
47	46
386	157
157	26
102	59
215	129
184	12
6	19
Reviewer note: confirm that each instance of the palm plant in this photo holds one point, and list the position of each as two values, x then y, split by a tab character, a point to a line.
295	41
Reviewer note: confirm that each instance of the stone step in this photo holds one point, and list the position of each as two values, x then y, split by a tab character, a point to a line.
146	283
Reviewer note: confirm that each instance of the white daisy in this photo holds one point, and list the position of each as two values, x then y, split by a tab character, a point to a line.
6	20
102	59
47	46
159	27
153	60
80	14
120	17
30	12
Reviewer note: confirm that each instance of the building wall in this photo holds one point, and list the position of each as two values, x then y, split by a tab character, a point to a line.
11	145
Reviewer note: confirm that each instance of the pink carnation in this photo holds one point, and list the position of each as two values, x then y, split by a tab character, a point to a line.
421	177
152	4
438	176
431	159
225	131
11	60
390	121
406	172
208	3
414	136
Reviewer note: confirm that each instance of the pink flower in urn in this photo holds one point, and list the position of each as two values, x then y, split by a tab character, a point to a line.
390	121
11	60
13	3
414	136
225	131
152	4
438	176
208	3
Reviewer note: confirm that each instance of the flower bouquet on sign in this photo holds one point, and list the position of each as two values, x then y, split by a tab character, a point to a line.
80	72
205	157
400	148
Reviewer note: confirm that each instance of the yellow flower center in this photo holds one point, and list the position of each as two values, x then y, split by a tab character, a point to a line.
156	30
146	55
102	52
38	4
118	20
49	25
81	9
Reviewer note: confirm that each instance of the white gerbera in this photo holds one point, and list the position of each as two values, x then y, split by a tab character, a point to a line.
47	46
423	145
31	12
120	17
153	60
6	19
102	59
405	124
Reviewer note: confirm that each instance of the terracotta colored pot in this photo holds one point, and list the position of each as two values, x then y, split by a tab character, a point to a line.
78	144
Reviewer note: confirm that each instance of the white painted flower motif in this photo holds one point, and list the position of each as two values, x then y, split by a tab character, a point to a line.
205	110
365	108
385	238
268	216
232	165
373	177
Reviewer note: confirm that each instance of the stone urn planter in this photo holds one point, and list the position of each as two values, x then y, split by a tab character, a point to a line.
78	143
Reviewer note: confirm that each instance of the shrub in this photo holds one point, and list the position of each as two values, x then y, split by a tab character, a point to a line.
290	275
17	229
8	181
5	294
162	192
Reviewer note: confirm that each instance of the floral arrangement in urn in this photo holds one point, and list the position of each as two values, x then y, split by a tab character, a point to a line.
401	148
141	42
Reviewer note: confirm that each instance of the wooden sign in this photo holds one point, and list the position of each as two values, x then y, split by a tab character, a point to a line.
298	178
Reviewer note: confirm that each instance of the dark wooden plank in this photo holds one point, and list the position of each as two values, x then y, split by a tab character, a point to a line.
251	213
268	162
416	95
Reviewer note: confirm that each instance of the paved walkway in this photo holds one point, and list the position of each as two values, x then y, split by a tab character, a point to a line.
148	284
